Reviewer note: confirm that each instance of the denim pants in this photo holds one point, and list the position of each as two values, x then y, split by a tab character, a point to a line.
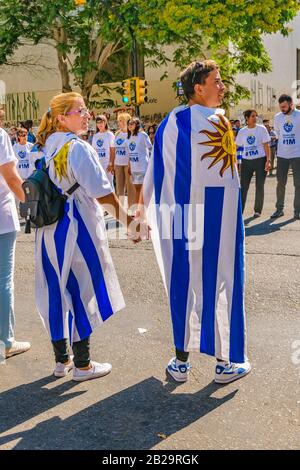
7	259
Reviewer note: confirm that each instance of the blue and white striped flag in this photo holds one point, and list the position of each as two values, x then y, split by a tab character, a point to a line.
192	195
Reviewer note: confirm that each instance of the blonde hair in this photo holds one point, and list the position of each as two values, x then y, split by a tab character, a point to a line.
123	116
60	104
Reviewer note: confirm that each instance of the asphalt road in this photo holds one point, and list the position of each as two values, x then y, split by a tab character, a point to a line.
135	407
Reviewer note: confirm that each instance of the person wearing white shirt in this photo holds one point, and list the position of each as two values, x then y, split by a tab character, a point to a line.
77	288
123	181
10	185
104	144
254	138
139	146
22	149
287	128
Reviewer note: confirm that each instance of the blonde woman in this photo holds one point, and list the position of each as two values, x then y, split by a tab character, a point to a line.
104	142
123	181
76	284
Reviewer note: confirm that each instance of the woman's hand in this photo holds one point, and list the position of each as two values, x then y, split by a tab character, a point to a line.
268	165
110	168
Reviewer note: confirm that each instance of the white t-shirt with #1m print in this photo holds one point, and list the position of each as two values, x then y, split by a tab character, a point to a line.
287	128
9	221
253	140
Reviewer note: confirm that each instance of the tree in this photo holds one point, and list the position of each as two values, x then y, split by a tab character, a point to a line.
93	42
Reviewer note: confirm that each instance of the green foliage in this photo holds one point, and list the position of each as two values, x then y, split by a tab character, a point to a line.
93	42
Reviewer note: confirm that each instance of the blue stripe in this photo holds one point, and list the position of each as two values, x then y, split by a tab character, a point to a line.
237	324
60	236
180	274
80	316
158	162
213	208
55	312
91	258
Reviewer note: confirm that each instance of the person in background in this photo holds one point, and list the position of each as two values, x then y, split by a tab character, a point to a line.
237	126
2	117
287	128
273	144
22	149
28	125
13	135
104	144
123	182
10	185
151	132
254	138
139	146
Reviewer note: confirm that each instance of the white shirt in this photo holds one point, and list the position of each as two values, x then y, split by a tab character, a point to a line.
83	166
139	147
9	221
122	152
25	164
252	141
102	143
287	128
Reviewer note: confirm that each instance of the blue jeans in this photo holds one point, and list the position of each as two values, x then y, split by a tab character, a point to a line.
7	259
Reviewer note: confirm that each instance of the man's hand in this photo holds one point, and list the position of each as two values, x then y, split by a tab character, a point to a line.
110	168
268	165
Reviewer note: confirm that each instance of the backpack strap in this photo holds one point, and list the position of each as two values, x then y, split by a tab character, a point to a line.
72	189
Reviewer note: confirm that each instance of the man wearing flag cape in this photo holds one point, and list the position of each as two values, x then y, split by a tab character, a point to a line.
191	194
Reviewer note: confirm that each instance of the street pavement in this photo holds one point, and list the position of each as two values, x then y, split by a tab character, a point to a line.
135	407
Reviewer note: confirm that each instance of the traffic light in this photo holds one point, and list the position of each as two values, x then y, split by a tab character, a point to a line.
126	97
140	91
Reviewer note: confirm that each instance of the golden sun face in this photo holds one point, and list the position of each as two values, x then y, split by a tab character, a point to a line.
222	141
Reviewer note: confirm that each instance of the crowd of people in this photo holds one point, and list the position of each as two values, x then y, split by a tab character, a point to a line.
76	284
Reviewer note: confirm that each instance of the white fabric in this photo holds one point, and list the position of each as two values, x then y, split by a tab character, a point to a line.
74	249
192	196
122	153
25	163
139	148
102	143
252	141
9	221
287	128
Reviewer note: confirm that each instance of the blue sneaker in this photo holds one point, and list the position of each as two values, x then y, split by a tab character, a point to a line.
178	370
227	372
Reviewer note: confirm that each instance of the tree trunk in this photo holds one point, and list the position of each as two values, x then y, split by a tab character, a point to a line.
60	38
64	73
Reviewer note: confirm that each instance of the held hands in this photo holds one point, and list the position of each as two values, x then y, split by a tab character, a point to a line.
138	230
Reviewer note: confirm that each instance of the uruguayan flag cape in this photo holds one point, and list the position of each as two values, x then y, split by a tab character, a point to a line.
192	196
76	285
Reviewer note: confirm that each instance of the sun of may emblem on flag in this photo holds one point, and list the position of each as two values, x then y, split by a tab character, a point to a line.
222	141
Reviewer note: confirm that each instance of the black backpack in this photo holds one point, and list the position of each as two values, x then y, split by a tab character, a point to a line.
44	203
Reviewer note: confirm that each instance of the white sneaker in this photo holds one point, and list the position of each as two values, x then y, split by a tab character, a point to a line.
227	372
17	347
96	370
62	370
178	370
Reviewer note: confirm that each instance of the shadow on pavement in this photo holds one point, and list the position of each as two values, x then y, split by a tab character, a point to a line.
135	418
268	226
22	403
